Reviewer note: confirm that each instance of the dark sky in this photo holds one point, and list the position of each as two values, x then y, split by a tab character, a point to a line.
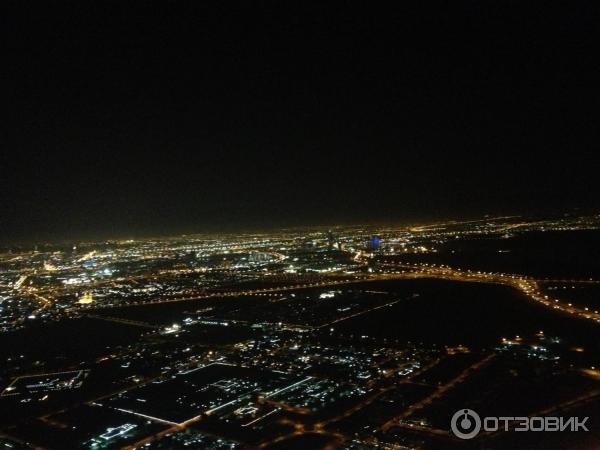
127	118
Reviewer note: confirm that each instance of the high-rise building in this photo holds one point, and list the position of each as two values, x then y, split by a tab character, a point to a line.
330	239
374	243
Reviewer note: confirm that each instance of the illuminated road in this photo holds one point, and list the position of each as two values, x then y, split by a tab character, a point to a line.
319	427
525	285
400	271
438	393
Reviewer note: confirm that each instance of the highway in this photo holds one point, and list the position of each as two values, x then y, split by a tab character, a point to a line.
401	271
438	393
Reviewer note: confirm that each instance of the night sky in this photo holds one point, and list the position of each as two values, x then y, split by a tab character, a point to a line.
130	118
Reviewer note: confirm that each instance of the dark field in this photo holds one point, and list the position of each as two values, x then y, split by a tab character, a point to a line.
472	314
550	254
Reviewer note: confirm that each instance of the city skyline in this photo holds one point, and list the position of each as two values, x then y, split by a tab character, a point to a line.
350	338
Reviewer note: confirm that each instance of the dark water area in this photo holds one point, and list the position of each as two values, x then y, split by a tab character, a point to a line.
554	254
473	314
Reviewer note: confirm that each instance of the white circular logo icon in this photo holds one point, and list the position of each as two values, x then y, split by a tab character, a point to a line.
465	424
